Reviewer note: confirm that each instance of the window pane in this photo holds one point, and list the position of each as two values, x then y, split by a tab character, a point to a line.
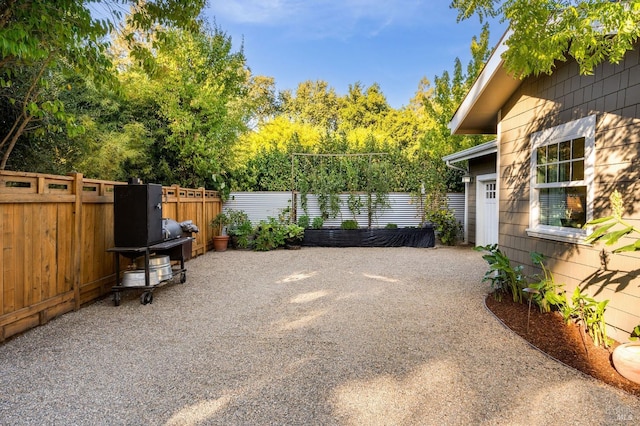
542	155
541	174
578	148
565	151
552	173
564	172
563	206
577	172
551	206
552	153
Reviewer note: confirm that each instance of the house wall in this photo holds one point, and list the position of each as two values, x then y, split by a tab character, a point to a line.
477	166
612	93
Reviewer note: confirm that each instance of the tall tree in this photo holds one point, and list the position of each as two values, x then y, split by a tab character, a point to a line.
40	37
545	31
199	95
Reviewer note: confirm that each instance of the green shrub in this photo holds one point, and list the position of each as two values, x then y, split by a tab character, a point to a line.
317	223
504	278
304	221
242	236
391	226
544	291
349	224
270	234
445	225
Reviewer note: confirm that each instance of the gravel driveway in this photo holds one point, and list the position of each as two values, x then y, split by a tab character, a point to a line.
318	336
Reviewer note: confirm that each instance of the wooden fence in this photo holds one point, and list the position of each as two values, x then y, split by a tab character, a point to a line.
54	233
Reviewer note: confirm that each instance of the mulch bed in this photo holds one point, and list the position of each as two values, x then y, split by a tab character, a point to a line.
566	343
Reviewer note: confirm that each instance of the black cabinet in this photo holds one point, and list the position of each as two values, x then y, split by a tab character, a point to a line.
137	211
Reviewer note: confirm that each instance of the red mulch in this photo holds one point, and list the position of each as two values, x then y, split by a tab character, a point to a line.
566	343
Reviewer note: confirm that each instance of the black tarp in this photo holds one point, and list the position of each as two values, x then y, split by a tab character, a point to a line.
401	237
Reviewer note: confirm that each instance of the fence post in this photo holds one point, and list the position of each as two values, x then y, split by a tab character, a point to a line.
76	238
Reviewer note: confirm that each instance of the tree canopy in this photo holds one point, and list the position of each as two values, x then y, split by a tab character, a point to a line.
153	92
40	37
545	31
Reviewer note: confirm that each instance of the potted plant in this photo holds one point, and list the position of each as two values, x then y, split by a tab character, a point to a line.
241	236
220	224
240	229
626	357
293	236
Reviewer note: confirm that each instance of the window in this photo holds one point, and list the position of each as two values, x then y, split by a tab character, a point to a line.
562	168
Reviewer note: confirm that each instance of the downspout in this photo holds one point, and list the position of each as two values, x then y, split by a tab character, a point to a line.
465	228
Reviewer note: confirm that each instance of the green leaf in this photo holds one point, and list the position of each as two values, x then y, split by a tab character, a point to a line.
613	237
598	221
599	232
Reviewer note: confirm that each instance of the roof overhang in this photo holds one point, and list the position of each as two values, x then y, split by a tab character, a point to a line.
478	112
481	150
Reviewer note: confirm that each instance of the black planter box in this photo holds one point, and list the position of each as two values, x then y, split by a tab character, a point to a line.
401	237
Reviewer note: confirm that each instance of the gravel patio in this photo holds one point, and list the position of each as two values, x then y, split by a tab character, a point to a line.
318	336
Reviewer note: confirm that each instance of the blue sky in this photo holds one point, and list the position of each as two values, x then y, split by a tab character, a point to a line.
392	42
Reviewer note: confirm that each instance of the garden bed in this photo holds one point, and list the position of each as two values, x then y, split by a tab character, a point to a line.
370	237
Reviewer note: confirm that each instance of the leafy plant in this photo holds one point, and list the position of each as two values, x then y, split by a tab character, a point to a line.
635	334
589	313
605	231
236	218
504	278
391	226
304	221
349	224
547	293
445	225
242	235
270	234
293	233
317	223
220	223
354	203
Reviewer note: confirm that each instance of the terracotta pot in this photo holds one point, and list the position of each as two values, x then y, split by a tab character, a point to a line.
220	242
626	360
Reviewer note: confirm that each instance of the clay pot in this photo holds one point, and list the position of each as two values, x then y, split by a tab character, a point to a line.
220	242
626	360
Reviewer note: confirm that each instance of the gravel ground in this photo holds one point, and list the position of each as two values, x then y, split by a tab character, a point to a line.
318	336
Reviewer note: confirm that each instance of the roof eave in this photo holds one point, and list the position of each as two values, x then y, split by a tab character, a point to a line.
477	114
477	151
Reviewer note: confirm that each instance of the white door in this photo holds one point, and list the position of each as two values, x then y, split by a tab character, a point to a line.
486	210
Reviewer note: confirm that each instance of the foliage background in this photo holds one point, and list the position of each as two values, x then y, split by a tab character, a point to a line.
160	95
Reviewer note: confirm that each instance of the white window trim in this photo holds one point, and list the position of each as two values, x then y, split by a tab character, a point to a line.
584	127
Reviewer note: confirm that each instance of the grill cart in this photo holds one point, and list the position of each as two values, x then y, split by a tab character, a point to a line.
150	242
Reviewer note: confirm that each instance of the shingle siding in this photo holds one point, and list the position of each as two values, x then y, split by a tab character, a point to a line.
612	93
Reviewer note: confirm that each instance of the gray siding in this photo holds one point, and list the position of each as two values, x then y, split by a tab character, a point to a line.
612	93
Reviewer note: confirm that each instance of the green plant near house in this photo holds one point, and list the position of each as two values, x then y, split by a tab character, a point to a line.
349	224
391	226
503	277
635	333
304	221
611	228
589	313
445	225
317	223
547	293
